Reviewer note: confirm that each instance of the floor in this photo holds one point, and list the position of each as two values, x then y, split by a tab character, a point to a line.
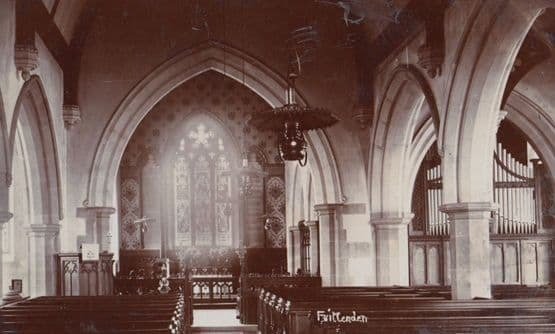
219	321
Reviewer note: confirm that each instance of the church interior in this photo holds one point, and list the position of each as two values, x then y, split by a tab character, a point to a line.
266	166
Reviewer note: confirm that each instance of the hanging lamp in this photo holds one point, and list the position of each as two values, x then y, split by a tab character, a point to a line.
290	120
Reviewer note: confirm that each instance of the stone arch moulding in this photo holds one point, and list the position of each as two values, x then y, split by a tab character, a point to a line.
33	112
422	142
162	80
466	139
5	161
392	143
538	126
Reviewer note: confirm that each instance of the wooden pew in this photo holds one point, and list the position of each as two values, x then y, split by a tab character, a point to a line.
247	298
103	314
401	310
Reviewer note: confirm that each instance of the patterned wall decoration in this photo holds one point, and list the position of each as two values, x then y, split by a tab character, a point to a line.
129	212
275	207
209	93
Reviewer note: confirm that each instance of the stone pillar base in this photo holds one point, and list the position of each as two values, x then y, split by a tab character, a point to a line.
470	249
103	236
296	245
329	242
43	246
314	247
392	250
5	217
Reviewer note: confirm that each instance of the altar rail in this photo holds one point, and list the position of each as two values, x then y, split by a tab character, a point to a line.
124	285
214	289
514	259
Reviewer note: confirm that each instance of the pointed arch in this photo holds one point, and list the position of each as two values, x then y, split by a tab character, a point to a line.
182	67
32	113
5	161
394	140
484	59
422	142
538	126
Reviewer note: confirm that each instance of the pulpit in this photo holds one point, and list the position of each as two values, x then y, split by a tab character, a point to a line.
85	278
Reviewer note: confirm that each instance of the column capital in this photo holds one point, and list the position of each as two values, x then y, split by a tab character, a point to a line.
392	221
102	211
71	114
44	229
5	217
327	208
26	58
311	223
468	210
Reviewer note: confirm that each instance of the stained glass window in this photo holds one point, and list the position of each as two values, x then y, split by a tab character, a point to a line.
203	190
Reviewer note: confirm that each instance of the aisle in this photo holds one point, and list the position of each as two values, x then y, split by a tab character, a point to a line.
219	321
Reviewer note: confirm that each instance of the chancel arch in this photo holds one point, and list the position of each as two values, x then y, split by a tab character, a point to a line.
186	159
240	68
210	56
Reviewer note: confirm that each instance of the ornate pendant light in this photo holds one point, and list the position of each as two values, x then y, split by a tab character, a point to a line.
290	120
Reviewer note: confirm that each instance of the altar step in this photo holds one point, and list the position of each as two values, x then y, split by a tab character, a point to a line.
215	306
240	329
219	321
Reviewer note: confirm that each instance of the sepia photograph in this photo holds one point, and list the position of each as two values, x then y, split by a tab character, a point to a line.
277	166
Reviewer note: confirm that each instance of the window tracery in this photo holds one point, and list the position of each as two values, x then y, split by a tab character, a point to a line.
203	190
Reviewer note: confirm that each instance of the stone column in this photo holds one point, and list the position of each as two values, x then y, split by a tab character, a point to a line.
392	250
102	234
5	217
43	246
470	249
329	242
296	247
314	246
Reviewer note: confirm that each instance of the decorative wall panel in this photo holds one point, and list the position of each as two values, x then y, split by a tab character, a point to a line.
130	211
512	261
275	207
